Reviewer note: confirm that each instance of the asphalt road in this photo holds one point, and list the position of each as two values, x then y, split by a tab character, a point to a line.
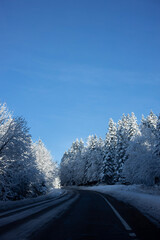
97	217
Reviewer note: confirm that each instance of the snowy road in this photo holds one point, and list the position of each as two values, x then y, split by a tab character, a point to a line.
77	215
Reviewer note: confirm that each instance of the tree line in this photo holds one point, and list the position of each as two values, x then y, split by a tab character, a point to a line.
130	154
26	168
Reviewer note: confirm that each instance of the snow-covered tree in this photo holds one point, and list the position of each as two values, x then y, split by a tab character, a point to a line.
133	127
93	159
100	149
130	153
110	146
20	174
122	144
79	163
127	130
157	140
71	168
16	159
82	165
65	170
148	129
142	166
45	165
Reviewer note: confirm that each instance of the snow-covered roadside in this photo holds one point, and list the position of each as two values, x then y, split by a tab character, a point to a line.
34	216
24	231
145	199
7	205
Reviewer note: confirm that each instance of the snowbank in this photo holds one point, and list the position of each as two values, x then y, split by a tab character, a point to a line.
7	205
145	199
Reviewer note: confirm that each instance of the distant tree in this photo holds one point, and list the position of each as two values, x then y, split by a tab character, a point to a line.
71	167
45	165
122	144
94	160
64	169
82	165
110	146
79	163
100	147
133	127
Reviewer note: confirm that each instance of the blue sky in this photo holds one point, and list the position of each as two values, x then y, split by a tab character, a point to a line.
69	66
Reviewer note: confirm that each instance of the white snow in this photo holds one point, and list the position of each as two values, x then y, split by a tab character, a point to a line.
35	215
145	199
7	205
28	228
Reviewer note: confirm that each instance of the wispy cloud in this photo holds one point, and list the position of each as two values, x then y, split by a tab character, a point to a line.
85	74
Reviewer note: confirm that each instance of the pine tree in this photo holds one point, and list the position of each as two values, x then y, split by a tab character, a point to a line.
79	163
100	148
122	144
157	140
89	161
110	152
133	128
128	129
148	128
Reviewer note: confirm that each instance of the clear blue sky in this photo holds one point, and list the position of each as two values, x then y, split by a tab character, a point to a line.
68	66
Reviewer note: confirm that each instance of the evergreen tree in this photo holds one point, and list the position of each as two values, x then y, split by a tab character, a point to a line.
110	146
79	163
128	129
129	154
101	160
157	140
133	128
148	129
122	144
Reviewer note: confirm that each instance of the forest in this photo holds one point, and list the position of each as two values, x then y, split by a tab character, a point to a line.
129	154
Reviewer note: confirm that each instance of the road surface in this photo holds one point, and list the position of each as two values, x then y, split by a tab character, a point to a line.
77	215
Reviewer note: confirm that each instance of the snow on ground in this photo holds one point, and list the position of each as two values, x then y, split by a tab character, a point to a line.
35	215
24	231
7	205
145	199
